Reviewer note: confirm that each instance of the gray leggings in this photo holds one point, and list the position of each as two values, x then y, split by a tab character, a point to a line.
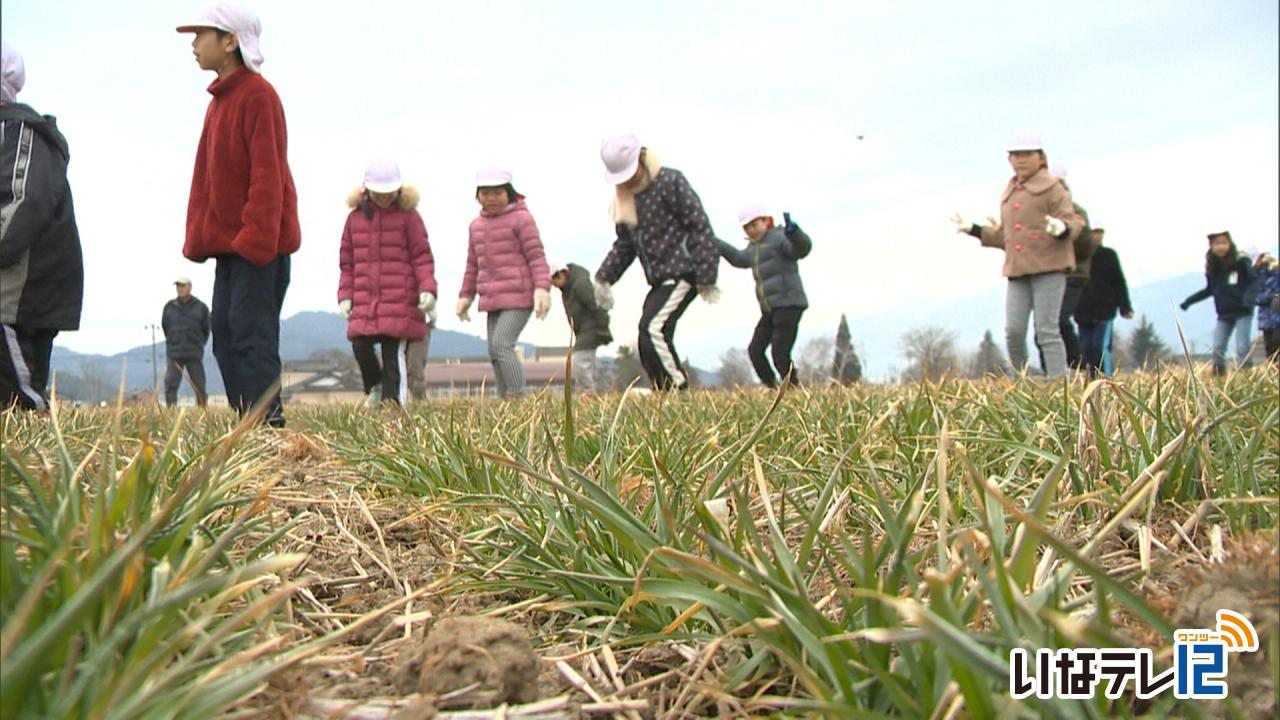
504	329
1042	294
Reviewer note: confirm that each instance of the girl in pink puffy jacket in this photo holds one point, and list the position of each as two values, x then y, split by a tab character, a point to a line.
508	268
387	288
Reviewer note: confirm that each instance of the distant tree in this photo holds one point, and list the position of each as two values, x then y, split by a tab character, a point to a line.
735	369
931	352
846	368
691	374
1146	349
988	360
626	368
813	364
93	382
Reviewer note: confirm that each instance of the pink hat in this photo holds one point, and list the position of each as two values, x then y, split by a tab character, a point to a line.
237	19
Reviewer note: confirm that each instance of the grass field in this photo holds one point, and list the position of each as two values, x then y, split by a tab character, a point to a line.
858	553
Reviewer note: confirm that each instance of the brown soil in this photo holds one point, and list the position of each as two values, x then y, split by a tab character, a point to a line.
492	655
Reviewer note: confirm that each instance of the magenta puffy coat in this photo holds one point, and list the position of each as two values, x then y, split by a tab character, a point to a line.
505	260
386	262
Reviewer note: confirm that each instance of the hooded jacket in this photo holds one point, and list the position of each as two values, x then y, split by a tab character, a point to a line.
590	322
186	328
1233	286
1028	249
773	264
385	262
671	235
505	260
243	200
41	268
1268	291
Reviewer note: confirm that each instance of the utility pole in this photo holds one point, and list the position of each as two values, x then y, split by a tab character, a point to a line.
155	362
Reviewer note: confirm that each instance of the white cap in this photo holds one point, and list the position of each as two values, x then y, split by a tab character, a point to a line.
621	156
1025	140
1057	170
555	266
750	212
493	176
382	176
237	19
13	74
182	280
1096	224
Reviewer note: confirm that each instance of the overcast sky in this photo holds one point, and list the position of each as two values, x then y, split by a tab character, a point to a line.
1165	113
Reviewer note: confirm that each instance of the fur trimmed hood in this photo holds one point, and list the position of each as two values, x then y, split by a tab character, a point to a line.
408	199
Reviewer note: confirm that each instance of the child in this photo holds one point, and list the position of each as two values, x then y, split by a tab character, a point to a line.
589	321
1104	294
41	267
1037	231
658	217
1229	278
772	254
387	288
1269	303
243	208
507	266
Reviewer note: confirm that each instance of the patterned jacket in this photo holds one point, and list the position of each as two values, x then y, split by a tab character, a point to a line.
672	237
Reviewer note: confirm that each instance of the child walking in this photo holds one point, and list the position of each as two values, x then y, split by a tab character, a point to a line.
772	254
387	287
1037	231
1269	303
1106	292
1230	280
589	321
507	266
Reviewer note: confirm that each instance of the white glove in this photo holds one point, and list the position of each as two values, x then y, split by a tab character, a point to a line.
426	302
344	308
464	304
963	225
431	316
709	293
541	303
604	296
1054	226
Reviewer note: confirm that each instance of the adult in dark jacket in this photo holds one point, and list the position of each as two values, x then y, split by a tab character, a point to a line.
41	268
589	321
1231	281
772	255
186	330
1104	295
657	217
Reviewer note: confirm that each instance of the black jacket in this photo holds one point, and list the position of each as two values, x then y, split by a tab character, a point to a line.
773	264
1106	291
186	328
41	268
672	237
1234	289
590	322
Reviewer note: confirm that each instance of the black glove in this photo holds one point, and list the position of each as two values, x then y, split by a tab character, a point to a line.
1184	306
788	225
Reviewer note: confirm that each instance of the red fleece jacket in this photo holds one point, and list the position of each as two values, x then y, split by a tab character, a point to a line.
243	200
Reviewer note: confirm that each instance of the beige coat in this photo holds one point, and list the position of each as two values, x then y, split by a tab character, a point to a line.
1028	249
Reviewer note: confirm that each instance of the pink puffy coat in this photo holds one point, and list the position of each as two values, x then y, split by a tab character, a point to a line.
386	262
505	260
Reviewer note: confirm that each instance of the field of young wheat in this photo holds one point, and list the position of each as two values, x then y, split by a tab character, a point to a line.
858	552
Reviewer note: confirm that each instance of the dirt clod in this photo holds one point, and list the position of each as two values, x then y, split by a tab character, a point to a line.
494	655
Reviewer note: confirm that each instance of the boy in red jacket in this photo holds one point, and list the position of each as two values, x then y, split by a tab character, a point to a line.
243	208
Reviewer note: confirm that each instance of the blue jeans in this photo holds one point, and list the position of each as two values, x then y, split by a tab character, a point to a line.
245	320
1095	347
1222	334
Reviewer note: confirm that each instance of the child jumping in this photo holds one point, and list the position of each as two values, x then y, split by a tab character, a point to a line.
1229	278
1037	231
387	288
589	321
658	217
508	267
772	254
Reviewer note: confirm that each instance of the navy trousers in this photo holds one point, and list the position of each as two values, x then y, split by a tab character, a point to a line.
245	324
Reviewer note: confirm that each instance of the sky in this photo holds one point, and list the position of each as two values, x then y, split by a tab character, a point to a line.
872	123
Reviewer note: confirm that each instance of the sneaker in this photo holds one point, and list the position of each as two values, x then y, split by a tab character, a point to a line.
374	398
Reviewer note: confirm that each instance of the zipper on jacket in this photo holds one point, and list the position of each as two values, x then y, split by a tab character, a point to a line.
764	302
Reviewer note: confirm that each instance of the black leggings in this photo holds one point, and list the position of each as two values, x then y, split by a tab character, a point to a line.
776	329
372	372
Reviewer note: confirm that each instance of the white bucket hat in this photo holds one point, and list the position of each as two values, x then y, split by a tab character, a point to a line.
1026	140
493	176
382	176
13	73
621	156
750	212
237	19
